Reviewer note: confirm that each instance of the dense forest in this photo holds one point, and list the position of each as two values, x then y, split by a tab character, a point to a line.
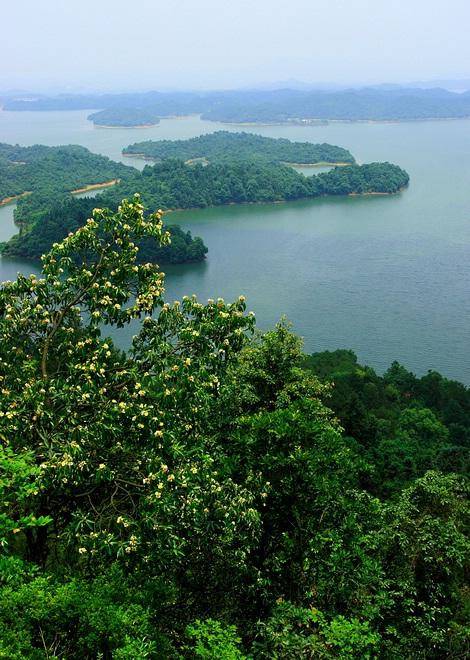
49	212
68	214
403	425
213	492
52	170
276	106
173	184
226	146
124	117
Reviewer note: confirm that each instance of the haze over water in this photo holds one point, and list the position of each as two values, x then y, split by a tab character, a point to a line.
388	277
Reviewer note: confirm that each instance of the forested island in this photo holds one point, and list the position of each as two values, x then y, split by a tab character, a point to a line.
227	146
261	106
213	492
124	117
172	184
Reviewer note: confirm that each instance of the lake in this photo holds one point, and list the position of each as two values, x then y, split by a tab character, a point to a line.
388	277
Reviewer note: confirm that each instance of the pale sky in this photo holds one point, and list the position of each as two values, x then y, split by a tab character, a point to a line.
154	44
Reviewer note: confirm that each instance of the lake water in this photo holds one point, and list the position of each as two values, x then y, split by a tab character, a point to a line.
388	277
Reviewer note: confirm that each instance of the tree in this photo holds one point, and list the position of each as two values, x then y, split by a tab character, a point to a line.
428	550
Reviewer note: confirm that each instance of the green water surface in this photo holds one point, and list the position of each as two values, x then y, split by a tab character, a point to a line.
386	276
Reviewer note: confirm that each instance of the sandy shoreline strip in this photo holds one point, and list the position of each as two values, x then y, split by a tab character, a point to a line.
136	126
320	163
13	198
95	186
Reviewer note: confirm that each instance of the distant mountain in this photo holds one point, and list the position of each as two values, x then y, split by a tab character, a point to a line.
458	86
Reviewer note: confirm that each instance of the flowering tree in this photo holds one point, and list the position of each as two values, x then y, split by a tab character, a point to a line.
101	423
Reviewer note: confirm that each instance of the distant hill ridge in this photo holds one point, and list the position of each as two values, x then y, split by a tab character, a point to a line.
380	103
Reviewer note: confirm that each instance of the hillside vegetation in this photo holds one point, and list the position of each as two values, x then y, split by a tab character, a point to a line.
212	492
226	146
48	213
53	170
174	184
68	214
264	106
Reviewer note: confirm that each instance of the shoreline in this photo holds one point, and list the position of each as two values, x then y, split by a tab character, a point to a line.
120	126
91	186
95	186
309	123
320	163
191	161
157	123
288	201
139	156
201	208
13	198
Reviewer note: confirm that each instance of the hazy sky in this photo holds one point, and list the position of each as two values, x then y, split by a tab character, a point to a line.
129	44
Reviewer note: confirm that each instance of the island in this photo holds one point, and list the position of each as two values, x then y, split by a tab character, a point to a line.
173	184
124	118
210	170
227	146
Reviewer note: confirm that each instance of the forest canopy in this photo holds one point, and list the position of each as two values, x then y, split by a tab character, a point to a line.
172	184
68	214
212	492
48	213
227	146
53	170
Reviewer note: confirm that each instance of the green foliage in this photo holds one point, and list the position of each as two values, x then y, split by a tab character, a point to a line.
44	617
49	213
428	554
53	170
227	146
19	485
172	184
196	496
296	632
405	425
214	641
68	214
